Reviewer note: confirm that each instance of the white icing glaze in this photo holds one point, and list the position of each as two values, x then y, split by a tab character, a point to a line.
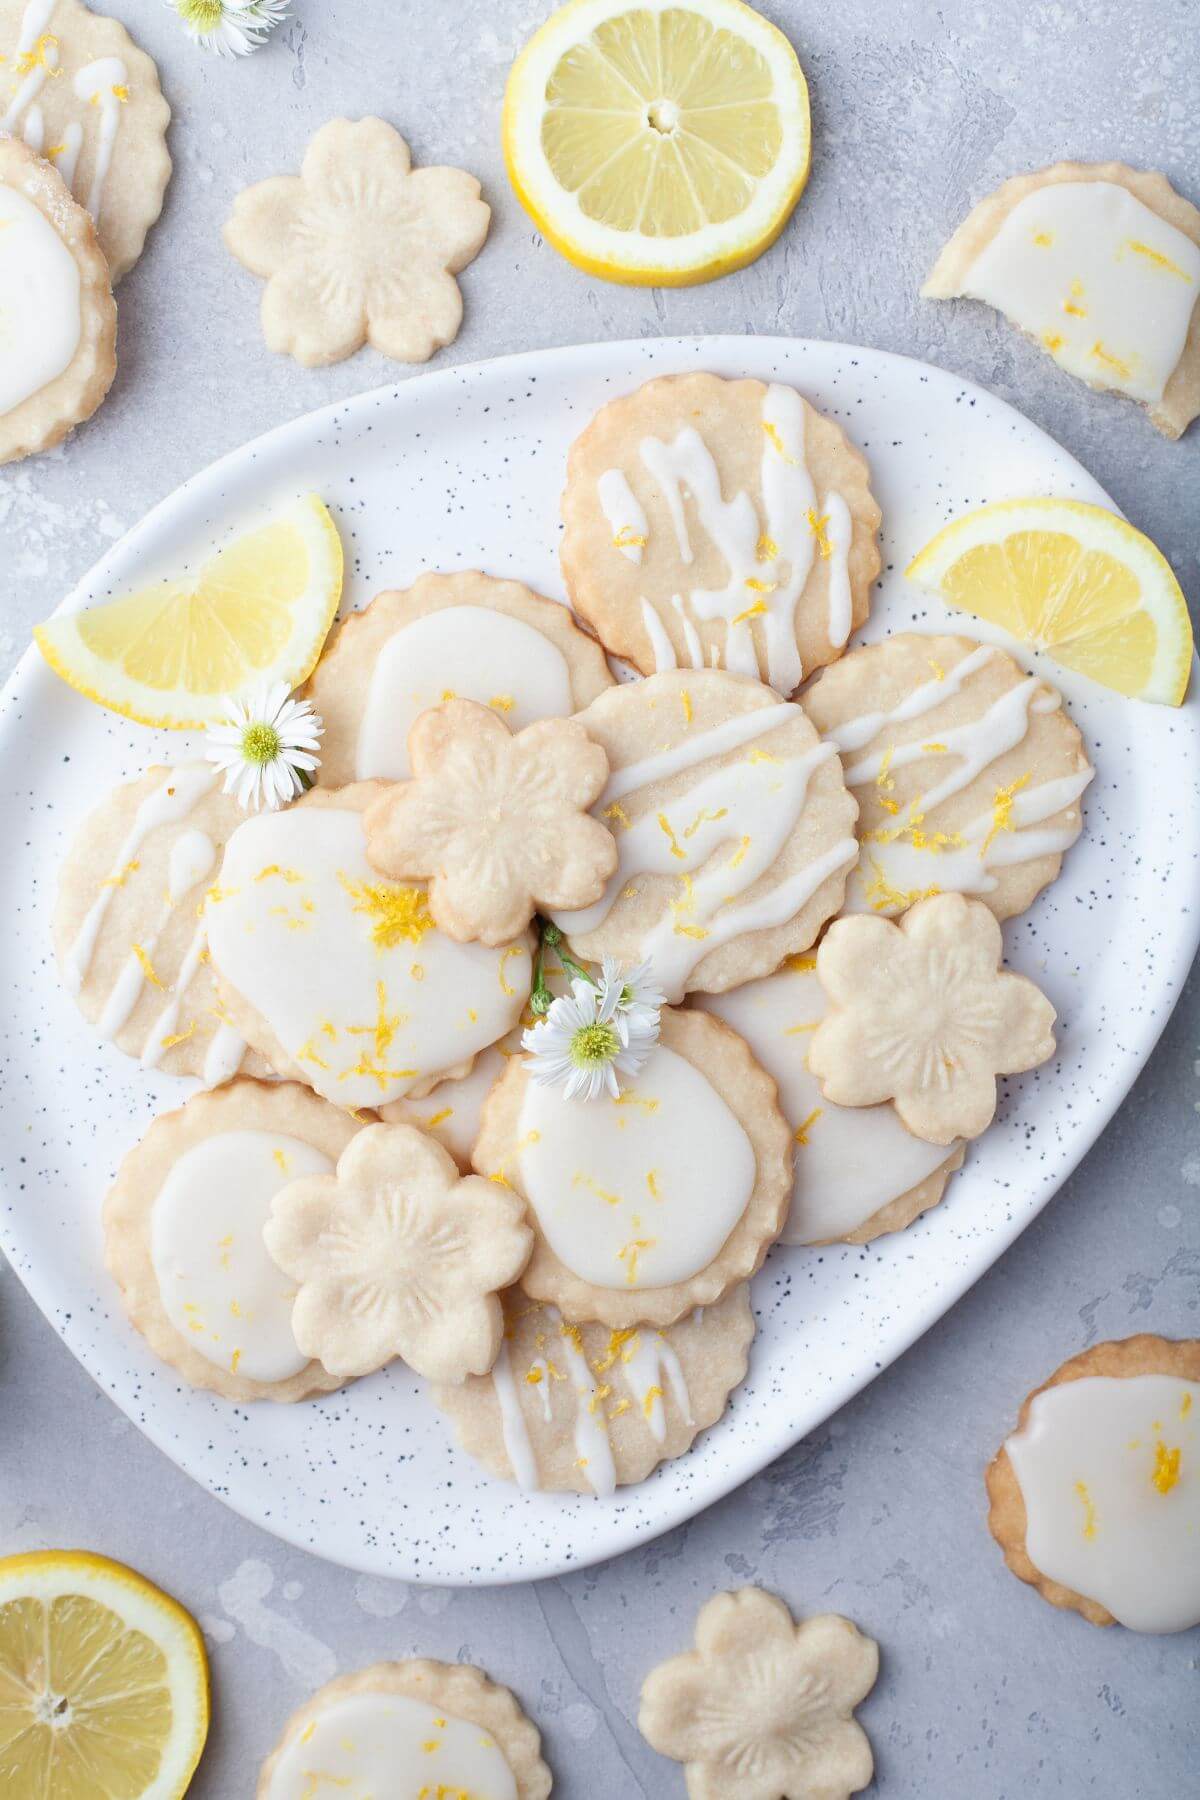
855	733
34	61
471	652
1107	1513
849	1161
640	1191
593	1451
65	160
451	1111
623	511
650	1367
223	1058
40	316
691	751
324	950
391	1747
1098	278
518	1444
103	83
691	636
191	858
969	748
220	1289
660	643
34	129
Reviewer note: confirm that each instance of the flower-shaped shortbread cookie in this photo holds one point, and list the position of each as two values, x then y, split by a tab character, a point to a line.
921	1015
762	1709
397	1255
497	824
360	247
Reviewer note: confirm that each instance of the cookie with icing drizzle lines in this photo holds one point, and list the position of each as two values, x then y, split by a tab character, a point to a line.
76	88
968	772
655	1202
462	636
443	1726
719	523
586	1408
131	923
1095	1497
183	1235
340	978
734	830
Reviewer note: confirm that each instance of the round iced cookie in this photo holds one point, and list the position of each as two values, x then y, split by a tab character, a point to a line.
1100	265
183	1235
465	635
713	522
81	93
58	319
340	978
415	1730
1095	1498
131	923
858	1173
586	1409
734	830
655	1202
967	771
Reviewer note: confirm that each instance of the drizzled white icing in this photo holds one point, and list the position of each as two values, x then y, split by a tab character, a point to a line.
640	1191
854	733
103	83
660	643
471	652
390	1747
35	60
1098	278
40	315
622	509
220	1289
970	747
345	968
848	1161
1109	1470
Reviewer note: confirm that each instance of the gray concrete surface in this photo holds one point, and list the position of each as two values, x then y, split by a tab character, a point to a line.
985	1693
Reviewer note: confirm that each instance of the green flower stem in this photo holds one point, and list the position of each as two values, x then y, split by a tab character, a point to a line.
550	937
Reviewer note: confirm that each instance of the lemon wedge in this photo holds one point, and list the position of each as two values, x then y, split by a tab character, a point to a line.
1073	580
656	144
258	611
103	1682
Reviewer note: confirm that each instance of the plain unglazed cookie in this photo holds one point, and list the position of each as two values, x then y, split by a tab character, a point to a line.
443	1726
1100	265
360	247
920	1013
858	1173
58	320
130	926
968	772
587	1409
340	978
79	91
1095	1498
655	1202
712	521
734	830
461	636
763	1708
183	1235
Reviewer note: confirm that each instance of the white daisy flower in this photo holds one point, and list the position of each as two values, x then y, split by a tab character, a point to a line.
580	1044
639	1003
266	748
229	27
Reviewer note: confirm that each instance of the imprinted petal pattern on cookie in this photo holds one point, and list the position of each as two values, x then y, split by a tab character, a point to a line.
396	1255
762	1708
359	247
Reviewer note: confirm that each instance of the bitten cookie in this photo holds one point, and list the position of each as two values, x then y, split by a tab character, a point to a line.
858	1173
58	323
711	521
968	772
183	1235
763	1709
462	636
81	94
649	1204
921	1014
445	1726
1100	265
131	923
585	1409
1095	1498
340	978
733	826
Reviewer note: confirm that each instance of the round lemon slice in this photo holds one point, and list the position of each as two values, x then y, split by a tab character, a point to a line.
103	1682
256	612
1073	580
661	142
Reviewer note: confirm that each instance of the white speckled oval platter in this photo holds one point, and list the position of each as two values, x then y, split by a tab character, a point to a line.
463	468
